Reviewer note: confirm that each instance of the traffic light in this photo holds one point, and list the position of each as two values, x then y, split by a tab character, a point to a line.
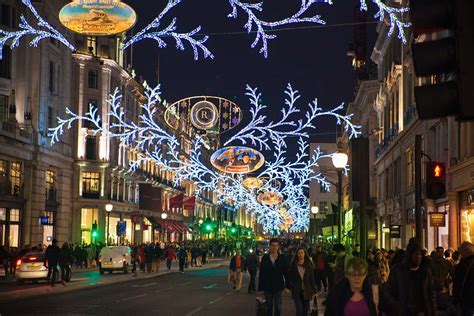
446	59
94	229
435	180
208	227
233	229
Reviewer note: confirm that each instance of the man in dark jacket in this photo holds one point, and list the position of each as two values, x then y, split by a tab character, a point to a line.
251	265
463	285
410	289
149	254
65	261
52	260
182	255
442	275
273	275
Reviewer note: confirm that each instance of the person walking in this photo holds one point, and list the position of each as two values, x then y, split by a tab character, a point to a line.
463	284
301	281
237	264
204	252
352	295
66	259
409	290
51	261
443	272
320	270
182	255
157	254
170	256
149	254
273	275
135	260
251	266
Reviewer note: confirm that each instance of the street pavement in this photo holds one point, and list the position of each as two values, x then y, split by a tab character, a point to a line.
201	291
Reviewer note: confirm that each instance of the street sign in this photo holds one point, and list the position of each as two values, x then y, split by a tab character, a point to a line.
121	228
437	219
395	231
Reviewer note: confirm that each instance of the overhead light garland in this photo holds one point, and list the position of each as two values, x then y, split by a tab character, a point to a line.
292	173
394	16
44	30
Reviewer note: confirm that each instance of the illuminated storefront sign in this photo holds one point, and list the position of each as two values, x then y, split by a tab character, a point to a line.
97	17
237	159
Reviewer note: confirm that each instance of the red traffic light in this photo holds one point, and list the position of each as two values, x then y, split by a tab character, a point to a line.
438	171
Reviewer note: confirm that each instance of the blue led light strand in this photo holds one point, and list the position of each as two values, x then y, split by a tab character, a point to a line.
152	31
26	29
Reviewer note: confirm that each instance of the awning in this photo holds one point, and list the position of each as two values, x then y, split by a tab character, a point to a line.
153	222
166	225
180	227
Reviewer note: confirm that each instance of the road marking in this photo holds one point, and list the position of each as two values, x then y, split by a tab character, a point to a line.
135	285
230	293
194	311
162	290
146	285
210	286
187	283
131	298
216	300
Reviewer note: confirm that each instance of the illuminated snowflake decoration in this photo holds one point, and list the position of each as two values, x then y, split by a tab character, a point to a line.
287	174
395	15
153	31
44	30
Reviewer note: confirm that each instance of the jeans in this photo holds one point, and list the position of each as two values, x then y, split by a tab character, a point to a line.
302	305
168	264
52	273
181	264
66	273
253	274
273	300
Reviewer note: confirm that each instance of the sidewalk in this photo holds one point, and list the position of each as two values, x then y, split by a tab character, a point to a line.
94	279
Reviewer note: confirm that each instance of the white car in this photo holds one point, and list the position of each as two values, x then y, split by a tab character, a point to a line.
115	258
31	267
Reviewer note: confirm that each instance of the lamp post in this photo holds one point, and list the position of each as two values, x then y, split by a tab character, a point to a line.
108	208
314	211
339	160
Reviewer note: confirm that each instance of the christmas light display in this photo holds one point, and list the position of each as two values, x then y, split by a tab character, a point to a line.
153	31
287	174
45	30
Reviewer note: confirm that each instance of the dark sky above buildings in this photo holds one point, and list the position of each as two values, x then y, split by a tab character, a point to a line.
313	60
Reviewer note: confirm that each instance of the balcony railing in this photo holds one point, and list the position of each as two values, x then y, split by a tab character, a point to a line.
410	114
90	194
6	188
388	139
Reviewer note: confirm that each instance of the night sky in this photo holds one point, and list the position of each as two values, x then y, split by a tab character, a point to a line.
314	61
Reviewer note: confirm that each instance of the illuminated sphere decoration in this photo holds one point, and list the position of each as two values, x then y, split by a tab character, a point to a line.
109	207
237	159
164	216
252	183
270	198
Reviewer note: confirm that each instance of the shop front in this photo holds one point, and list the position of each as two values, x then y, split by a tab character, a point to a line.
10	227
467	216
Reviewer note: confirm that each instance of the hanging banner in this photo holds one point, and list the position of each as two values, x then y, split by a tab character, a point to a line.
177	201
189	203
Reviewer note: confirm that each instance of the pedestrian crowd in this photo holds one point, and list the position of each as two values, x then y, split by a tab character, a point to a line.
409	282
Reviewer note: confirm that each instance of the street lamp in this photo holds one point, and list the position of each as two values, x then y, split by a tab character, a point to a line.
339	160
314	211
108	208
201	221
164	216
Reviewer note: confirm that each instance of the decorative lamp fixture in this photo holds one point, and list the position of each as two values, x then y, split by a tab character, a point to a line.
339	160
201	221
109	207
314	209
164	216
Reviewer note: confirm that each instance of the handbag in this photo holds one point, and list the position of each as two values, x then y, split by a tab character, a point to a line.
261	306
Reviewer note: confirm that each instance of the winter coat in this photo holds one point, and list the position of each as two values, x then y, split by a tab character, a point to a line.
157	252
170	254
441	269
295	284
65	257
182	253
394	300
463	285
233	263
251	263
273	276
52	255
149	253
341	294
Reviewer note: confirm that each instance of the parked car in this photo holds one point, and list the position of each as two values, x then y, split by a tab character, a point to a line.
115	258
31	267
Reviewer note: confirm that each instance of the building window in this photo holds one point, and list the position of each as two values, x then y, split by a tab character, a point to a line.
5	63
91	148
323	207
10	227
54	70
90	184
89	216
410	167
48	228
93	79
92	104
50	185
92	45
15	178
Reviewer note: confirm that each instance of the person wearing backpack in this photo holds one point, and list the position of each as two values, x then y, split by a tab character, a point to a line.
319	269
